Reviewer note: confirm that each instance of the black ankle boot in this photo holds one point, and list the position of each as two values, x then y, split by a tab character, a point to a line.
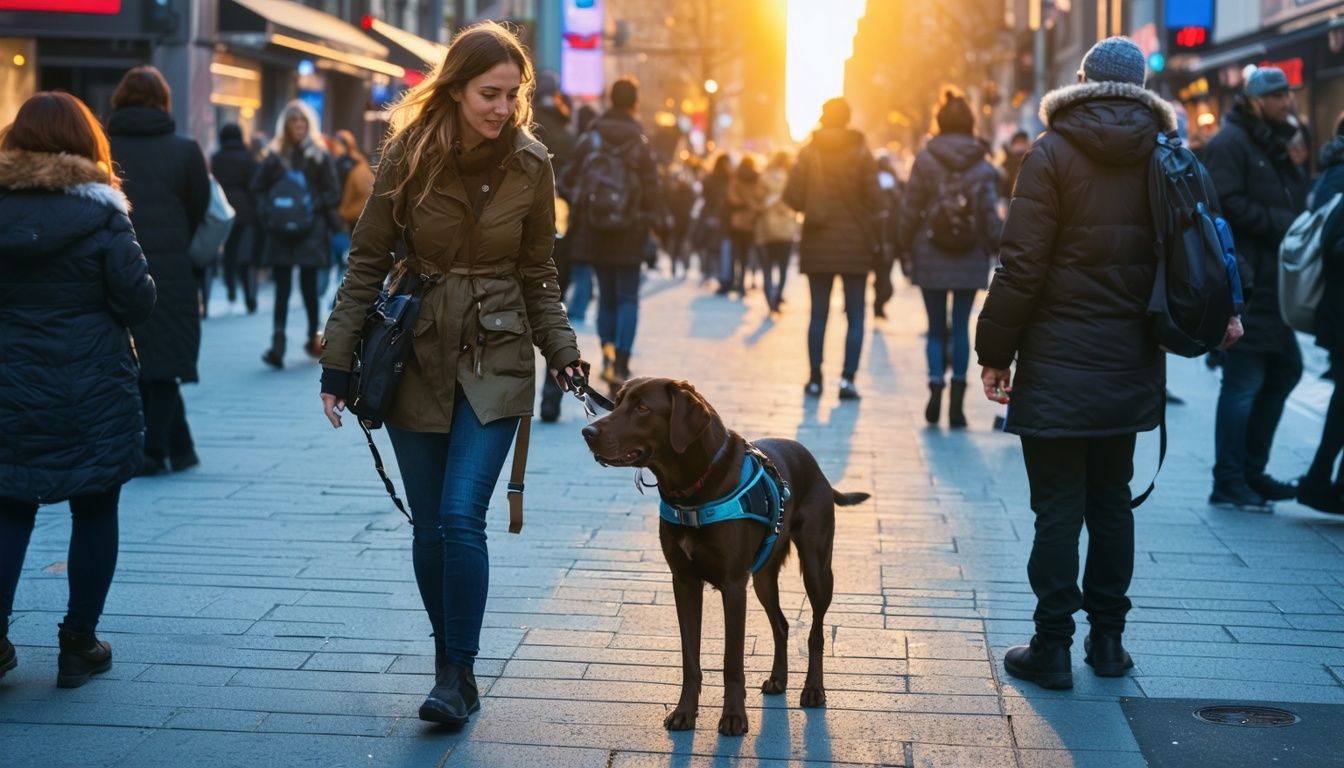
82	655
454	697
934	409
440	661
956	417
8	658
1049	666
622	366
275	356
1106	655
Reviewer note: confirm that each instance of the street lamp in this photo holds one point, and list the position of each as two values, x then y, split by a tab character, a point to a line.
711	86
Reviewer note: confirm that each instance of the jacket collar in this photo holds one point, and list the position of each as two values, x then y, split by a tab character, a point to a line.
524	141
1059	100
59	172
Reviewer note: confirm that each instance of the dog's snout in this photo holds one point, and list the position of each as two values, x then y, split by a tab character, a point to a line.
590	433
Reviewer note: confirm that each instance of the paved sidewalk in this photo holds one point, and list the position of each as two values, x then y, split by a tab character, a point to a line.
265	612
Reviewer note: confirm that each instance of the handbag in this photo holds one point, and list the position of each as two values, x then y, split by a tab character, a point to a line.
382	349
213	230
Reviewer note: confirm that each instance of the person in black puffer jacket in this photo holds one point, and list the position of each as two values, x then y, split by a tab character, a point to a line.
165	177
1261	191
72	279
939	271
233	167
1070	303
834	186
1316	490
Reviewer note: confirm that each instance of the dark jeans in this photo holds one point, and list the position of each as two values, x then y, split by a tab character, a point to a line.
1076	481
90	564
1255	387
284	279
618	306
936	343
167	435
241	252
449	479
883	287
1332	434
855	287
734	273
776	268
581	287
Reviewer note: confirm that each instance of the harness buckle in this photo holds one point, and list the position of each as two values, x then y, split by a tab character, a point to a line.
691	517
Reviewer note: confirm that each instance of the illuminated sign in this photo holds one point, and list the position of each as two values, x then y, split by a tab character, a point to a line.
1189	13
108	7
1291	67
1191	37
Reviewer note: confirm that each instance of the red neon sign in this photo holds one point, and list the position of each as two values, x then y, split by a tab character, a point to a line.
108	7
1191	37
1291	67
580	42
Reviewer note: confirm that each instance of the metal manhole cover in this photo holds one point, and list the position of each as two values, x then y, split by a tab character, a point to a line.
1247	717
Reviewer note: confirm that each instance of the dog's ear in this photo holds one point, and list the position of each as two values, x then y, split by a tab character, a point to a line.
689	417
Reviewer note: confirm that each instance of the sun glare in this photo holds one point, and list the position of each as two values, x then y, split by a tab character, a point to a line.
820	40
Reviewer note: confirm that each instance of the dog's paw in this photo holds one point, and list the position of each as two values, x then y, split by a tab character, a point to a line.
813	696
773	685
679	720
733	724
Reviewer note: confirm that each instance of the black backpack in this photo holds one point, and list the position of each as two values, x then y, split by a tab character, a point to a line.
289	205
952	220
1198	286
609	187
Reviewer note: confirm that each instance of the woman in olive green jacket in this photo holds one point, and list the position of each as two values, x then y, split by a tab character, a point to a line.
473	193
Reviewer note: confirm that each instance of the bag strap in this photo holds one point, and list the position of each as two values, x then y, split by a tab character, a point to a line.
1137	501
378	465
516	475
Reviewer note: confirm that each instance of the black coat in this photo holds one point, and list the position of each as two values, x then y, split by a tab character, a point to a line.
551	128
834	186
1330	314
1070	299
72	278
1261	192
928	265
623	248
313	249
165	177
233	166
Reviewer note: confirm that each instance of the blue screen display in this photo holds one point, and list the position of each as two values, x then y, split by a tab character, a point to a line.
1189	13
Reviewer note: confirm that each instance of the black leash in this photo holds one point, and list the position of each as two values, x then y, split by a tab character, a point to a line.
378	465
584	393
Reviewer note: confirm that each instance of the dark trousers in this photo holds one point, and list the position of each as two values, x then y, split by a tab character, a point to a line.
90	563
883	287
855	287
241	252
449	479
618	305
167	435
1250	403
1076	481
1332	434
284	279
740	244
776	268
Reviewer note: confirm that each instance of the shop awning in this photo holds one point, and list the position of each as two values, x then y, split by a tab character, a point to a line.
287	24
418	51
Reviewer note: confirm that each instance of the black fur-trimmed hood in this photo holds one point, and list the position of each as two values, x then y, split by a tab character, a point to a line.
50	201
1114	123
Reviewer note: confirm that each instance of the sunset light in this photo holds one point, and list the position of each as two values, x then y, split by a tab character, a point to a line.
820	39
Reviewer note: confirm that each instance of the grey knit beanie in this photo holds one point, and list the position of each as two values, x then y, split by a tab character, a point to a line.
1115	59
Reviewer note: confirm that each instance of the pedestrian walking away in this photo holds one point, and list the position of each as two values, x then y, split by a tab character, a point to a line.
777	228
165	178
746	197
1261	191
297	195
893	191
233	166
948	230
354	178
472	193
1071	307
834	186
75	280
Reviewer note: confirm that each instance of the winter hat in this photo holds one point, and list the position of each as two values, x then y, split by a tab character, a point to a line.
230	132
1266	80
954	114
835	113
1115	59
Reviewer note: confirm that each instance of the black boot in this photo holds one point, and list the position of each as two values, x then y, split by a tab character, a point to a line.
622	366
1049	666
1105	654
956	417
81	655
813	387
550	401
275	356
934	409
440	659
8	658
454	697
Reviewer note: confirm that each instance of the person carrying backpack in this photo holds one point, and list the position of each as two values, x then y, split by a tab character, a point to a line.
949	225
1261	191
1070	304
613	181
297	195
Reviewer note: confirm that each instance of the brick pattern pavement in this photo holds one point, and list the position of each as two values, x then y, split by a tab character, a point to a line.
265	610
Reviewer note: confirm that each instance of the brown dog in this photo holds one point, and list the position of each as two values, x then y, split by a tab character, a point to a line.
667	426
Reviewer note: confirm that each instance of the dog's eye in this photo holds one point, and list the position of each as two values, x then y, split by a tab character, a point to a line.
641	408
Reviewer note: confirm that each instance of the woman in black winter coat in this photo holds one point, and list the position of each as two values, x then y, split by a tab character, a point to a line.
952	172
298	175
1315	489
74	279
165	178
233	166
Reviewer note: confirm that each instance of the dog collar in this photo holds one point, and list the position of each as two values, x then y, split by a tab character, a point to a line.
758	497
698	484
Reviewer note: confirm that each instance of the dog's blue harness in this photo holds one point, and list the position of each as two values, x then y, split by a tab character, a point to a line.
760	496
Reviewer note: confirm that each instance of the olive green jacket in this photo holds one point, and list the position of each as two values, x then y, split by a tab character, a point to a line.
474	331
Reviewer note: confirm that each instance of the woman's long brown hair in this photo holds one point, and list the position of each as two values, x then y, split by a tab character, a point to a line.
56	122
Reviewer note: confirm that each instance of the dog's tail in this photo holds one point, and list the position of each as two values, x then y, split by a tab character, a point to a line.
849	499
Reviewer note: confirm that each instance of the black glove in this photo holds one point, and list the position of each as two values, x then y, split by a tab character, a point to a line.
572	382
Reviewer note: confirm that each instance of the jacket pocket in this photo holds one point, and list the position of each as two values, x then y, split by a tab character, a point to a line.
502	344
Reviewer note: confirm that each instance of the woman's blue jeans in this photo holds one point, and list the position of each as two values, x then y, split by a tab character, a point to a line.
581	291
618	306
855	287
449	479
935	303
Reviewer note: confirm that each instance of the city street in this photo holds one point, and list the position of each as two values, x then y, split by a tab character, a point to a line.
265	612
